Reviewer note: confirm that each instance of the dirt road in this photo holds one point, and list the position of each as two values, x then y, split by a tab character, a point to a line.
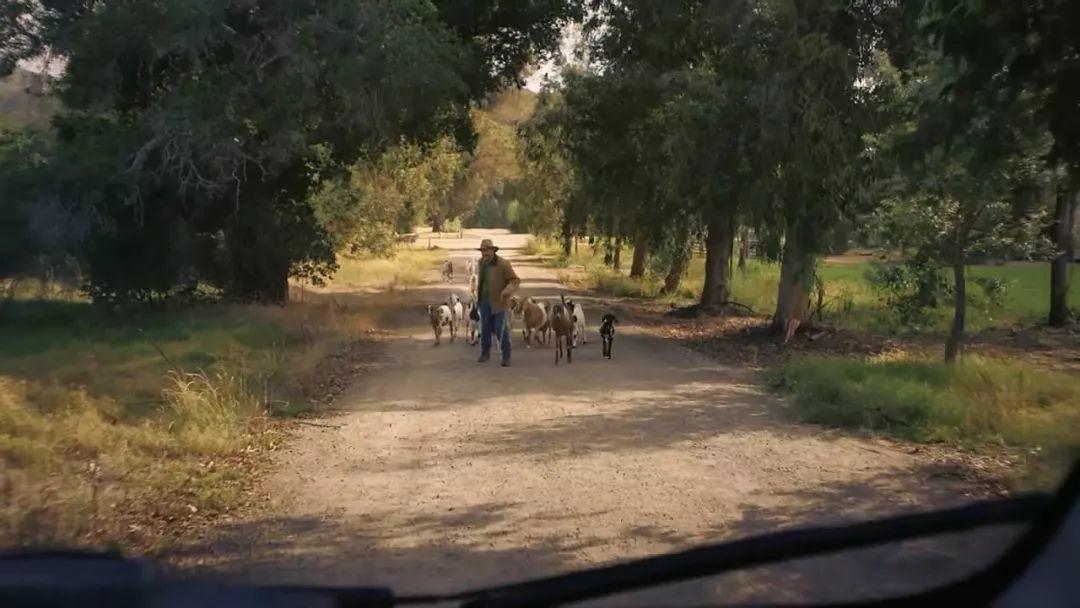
445	474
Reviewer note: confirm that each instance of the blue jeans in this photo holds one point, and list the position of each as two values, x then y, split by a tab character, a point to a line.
493	321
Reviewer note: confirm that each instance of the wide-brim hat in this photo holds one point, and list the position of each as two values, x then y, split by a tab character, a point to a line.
487	243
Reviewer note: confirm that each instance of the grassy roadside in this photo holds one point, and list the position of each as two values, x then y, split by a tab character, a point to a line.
1024	401
982	403
405	269
127	431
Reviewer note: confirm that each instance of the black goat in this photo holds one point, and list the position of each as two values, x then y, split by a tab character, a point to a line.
607	332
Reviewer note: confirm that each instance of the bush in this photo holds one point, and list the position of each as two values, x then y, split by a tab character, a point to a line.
911	290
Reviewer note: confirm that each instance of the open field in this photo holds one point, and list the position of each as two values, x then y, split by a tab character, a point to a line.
850	301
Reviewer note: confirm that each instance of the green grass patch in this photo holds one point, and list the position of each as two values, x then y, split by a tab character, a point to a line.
850	301
978	402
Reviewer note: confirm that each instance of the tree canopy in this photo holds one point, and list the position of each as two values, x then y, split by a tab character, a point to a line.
217	120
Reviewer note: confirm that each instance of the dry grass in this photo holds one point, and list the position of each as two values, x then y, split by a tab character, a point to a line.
123	432
407	268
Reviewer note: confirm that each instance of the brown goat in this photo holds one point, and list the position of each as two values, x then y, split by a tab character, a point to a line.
562	322
534	316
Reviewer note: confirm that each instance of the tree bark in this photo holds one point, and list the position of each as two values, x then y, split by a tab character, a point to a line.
718	248
744	248
637	267
616	257
437	223
793	294
956	334
675	272
260	277
1062	233
567	237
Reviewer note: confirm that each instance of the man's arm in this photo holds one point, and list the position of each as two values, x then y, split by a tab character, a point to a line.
512	281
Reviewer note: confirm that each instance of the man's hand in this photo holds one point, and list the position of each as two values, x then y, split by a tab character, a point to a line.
509	290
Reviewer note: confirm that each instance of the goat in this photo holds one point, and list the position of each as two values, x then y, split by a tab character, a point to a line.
458	309
441	316
607	332
474	286
515	306
470	266
579	321
534	316
514	310
562	322
543	332
448	271
472	322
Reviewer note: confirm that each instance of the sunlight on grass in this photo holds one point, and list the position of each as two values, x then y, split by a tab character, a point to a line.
407	268
981	401
105	418
849	301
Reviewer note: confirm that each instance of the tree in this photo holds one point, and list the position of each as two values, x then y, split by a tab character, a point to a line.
815	114
548	187
1065	211
214	114
1020	53
947	201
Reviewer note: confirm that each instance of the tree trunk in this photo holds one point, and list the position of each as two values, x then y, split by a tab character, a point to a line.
437	223
718	246
616	256
744	248
793	294
637	267
675	273
567	237
259	272
1062	234
577	242
956	334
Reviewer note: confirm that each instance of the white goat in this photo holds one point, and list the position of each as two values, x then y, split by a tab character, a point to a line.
474	286
472	322
578	314
458	309
440	317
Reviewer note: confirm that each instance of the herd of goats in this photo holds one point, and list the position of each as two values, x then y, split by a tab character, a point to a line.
563	320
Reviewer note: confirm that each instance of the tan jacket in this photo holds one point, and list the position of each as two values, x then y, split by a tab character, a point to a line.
502	282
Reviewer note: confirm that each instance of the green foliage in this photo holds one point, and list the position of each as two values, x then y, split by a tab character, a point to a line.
210	128
910	290
548	188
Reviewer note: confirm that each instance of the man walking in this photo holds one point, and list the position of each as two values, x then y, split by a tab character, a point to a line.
498	282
